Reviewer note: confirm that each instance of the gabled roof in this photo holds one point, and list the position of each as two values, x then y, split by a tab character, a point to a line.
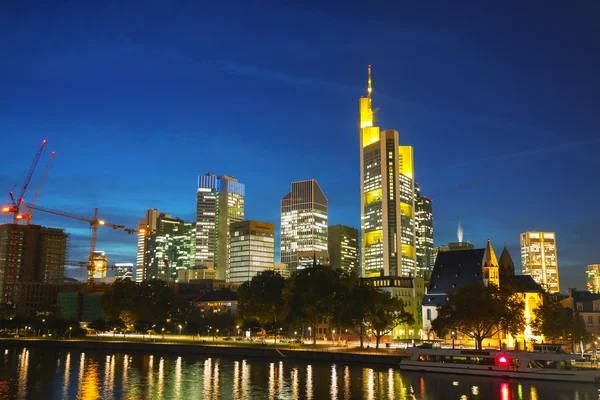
453	269
524	283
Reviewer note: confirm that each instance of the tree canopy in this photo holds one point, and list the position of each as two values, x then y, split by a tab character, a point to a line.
480	312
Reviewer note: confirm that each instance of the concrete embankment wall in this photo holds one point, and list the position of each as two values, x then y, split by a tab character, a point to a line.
266	352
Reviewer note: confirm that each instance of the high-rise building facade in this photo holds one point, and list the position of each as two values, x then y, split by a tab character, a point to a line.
387	198
424	229
30	253
343	248
303	222
539	259
220	202
100	261
592	278
146	226
252	250
164	250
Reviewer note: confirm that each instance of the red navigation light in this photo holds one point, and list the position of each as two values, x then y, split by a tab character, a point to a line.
503	360
44	141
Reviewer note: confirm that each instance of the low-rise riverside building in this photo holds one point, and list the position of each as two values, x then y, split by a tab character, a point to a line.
587	305
462	268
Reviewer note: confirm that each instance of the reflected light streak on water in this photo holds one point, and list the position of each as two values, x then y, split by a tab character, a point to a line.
89	388
177	382
161	378
215	388
23	369
370	380
504	391
333	388
236	380
391	383
81	368
309	382
108	378
272	381
207	376
245	379
533	395
125	370
347	383
280	378
150	385
66	376
295	384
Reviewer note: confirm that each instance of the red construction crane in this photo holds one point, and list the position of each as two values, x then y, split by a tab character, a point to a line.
94	223
27	212
15	207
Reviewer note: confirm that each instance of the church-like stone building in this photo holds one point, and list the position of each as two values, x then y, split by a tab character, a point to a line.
461	268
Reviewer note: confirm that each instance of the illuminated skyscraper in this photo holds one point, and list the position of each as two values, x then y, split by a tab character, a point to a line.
343	248
220	202
303	223
168	245
592	275
539	259
252	250
387	198
424	229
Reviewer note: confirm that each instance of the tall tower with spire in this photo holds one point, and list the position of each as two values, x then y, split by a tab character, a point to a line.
387	197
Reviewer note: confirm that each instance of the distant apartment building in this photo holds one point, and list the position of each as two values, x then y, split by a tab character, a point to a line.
282	269
220	202
30	254
424	231
195	274
303	223
592	278
539	259
167	245
252	250
124	270
344	248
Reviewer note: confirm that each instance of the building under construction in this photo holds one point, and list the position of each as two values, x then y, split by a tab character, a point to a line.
30	254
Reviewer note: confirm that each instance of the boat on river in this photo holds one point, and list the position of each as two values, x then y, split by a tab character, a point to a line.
502	364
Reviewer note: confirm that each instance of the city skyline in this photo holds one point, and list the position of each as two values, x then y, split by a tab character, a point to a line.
476	121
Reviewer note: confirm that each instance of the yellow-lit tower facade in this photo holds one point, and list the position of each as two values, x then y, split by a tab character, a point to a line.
387	197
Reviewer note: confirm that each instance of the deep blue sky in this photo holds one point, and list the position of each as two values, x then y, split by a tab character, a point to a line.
500	101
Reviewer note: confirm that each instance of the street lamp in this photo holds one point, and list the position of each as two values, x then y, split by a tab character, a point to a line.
70	329
453	337
216	334
163	333
179	330
238	329
333	337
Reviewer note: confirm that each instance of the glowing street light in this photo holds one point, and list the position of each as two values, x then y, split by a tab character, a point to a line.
70	330
179	330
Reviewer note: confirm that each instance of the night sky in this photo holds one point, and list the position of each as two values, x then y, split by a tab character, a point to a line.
499	100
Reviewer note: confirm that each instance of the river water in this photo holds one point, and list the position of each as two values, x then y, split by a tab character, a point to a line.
43	374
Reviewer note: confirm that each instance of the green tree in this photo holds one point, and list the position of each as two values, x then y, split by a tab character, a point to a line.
154	301
384	312
119	296
350	307
480	312
310	295
551	320
260	300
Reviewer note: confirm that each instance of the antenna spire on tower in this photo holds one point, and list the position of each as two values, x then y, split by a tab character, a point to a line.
369	89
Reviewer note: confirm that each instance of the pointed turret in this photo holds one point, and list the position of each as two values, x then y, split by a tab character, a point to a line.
506	266
489	265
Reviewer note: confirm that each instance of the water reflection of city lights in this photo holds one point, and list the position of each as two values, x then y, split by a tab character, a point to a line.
504	391
272	381
177	382
215	388
90	388
309	382
245	379
23	368
333	388
66	376
236	380
295	388
347	382
463	397
370	384
280	377
161	378
207	378
533	394
475	390
391	383
455	383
